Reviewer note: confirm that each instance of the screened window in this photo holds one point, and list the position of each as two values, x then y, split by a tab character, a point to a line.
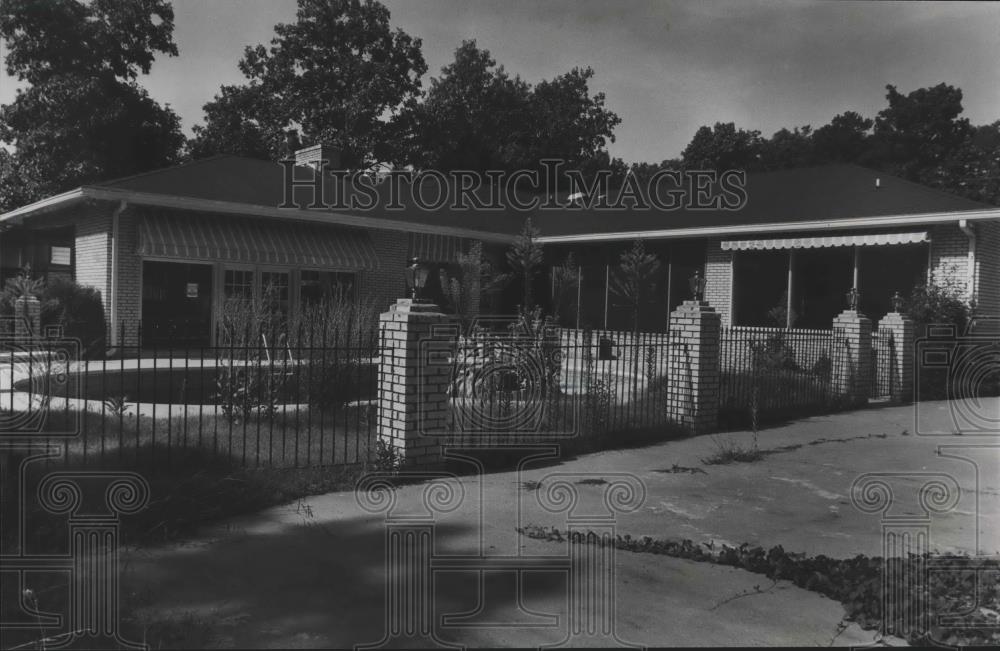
317	286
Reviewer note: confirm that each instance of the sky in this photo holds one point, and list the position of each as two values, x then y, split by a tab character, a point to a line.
667	67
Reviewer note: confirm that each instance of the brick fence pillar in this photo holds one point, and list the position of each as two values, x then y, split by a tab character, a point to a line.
852	356
412	393
901	355
693	397
27	317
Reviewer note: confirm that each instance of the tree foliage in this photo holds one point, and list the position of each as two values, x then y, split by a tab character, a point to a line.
723	147
82	117
919	136
476	116
105	38
72	130
634	281
337	72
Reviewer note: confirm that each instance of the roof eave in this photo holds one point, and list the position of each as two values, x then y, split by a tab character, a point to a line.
228	207
55	202
778	227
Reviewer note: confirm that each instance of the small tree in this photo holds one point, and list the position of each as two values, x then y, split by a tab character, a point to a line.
565	282
524	257
462	289
634	282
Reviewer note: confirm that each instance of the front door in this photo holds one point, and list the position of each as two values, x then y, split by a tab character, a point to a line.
176	304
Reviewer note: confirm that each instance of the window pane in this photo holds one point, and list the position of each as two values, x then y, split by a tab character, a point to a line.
274	290
238	284
61	255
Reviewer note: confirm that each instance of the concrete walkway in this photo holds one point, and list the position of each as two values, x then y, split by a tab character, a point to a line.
312	574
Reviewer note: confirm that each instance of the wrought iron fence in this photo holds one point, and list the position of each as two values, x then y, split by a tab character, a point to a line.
265	401
518	387
771	373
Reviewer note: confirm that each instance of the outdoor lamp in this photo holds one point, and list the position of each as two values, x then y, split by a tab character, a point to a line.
697	285
897	302
853	298
416	277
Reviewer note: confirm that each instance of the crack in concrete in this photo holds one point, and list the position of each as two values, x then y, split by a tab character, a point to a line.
746	593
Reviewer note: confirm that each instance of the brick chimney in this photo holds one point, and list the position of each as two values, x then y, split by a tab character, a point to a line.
312	156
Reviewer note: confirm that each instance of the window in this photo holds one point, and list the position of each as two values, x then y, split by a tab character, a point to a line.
274	290
316	286
238	284
61	255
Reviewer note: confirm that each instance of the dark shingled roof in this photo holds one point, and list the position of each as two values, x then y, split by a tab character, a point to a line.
828	192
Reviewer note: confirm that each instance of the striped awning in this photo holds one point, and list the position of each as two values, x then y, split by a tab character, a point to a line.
255	241
826	241
436	248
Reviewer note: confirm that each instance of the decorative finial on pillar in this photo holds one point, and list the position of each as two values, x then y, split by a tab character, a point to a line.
853	299
897	302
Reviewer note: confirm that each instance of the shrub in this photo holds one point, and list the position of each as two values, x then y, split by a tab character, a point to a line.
823	367
932	304
78	310
24	284
774	353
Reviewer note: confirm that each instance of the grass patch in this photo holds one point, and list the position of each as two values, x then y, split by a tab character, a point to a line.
151	443
961	599
730	451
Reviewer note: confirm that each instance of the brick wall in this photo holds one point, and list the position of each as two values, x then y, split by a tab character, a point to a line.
93	250
385	284
988	267
949	257
129	274
719	279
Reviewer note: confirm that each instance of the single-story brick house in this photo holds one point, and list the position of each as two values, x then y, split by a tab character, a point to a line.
165	248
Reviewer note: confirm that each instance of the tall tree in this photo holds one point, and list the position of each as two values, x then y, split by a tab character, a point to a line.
788	149
918	131
973	168
634	283
845	139
117	38
474	117
338	73
83	117
723	147
478	117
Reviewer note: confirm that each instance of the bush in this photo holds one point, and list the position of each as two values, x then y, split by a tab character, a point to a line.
774	353
931	304
78	310
823	367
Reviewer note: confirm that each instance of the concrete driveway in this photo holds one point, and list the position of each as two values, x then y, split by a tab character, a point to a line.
312	574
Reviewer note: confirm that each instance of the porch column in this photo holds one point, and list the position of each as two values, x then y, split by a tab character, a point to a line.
607	281
791	285
900	327
856	271
579	292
